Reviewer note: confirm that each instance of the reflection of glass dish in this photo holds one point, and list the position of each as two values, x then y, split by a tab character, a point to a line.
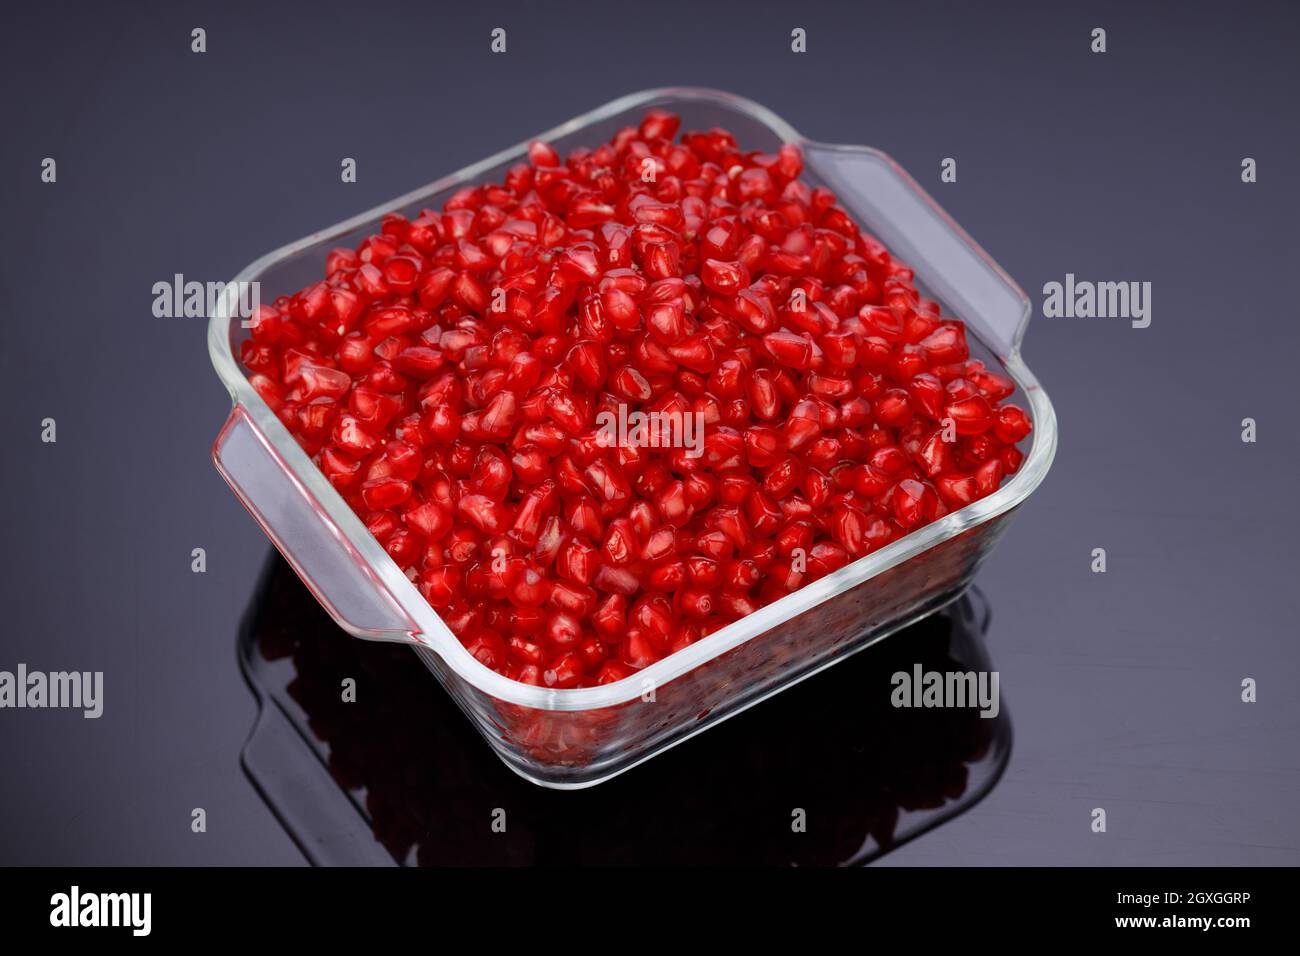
397	775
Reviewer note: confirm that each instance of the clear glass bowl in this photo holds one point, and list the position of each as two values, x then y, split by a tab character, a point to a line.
577	738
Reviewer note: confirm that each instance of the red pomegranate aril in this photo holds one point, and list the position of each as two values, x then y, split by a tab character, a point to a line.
370	281
615	580
993	386
892	408
565	671
726	278
914	502
889	459
789	349
403	459
574	599
526	650
881	321
956	490
1011	424
418	361
630	384
970	416
525	586
825	557
562	630
946	344
958	388
1012	458
578	561
320	382
848	525
531	517
500	415
666	578
482	512
927	396
403	547
430	520
762	394
610	487
384	378
988	476
440	586
587	360
620	543
697	603
350	437
936	455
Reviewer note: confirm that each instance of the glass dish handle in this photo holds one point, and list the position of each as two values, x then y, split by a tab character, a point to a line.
949	264
305	535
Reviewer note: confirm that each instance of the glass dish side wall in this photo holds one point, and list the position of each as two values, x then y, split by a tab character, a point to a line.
571	749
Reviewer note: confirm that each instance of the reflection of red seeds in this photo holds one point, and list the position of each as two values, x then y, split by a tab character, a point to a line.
448	375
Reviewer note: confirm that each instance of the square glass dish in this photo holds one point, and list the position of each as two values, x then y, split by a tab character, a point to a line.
569	738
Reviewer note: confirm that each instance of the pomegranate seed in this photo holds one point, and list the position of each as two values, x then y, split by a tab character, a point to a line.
789	349
525	586
1011	424
727	278
482	512
440	586
971	416
914	502
430	520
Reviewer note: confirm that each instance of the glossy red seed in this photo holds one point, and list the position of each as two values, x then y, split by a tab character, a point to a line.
565	671
726	278
430	520
572	598
988	476
563	630
320	382
946	344
1012	458
789	349
1011	424
957	490
616	580
440	586
971	416
892	408
525	586
482	512
825	557
927	395
914	503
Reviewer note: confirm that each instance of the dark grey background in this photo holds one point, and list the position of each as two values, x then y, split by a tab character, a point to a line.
1124	687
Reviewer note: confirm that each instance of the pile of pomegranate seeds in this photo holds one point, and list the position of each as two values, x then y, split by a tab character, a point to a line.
448	376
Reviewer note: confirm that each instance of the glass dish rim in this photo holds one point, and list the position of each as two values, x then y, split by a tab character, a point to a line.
432	632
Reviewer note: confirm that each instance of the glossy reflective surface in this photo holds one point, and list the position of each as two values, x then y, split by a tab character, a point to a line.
827	773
